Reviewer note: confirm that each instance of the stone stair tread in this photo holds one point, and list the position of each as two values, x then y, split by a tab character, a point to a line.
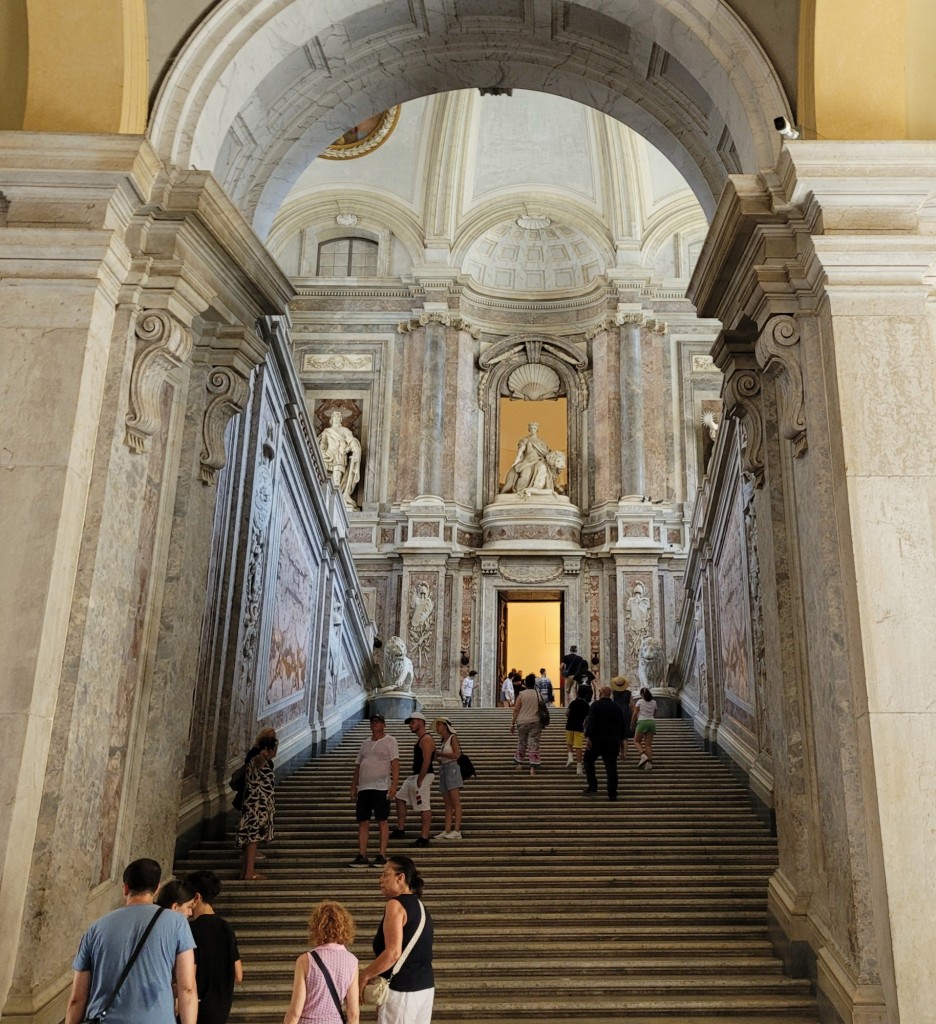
681	844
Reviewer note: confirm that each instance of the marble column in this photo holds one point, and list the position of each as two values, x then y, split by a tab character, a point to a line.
633	474
433	409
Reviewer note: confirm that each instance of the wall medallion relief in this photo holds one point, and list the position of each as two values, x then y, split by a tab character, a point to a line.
531	572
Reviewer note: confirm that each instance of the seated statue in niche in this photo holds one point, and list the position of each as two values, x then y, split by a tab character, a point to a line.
341	452
536	467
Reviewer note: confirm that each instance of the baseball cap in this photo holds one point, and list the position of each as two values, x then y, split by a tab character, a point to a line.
377	717
415	714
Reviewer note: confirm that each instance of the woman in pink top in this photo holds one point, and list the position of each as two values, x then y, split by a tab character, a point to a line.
331	930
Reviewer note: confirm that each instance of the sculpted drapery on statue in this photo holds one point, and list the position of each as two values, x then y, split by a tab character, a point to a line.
536	467
341	451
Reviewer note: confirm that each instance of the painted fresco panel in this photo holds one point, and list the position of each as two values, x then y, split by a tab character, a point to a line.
291	633
733	632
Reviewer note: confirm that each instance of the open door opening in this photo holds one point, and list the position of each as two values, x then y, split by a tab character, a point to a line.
529	634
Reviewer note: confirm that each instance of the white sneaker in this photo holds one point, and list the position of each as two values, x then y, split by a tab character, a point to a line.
570	760
642	761
648	766
579	770
443	835
453	835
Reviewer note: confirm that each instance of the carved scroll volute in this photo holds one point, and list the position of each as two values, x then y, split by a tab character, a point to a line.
778	354
228	390
741	395
162	345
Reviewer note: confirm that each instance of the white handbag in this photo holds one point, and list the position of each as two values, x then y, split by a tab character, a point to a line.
377	990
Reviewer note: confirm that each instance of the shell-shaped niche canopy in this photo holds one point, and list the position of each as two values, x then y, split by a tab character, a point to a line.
534	382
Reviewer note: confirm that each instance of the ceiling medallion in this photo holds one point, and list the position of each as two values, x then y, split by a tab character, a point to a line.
365	137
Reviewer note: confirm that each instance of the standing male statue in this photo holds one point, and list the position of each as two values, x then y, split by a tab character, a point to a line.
341	452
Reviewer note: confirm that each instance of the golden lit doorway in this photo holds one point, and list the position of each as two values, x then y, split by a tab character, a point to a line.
530	633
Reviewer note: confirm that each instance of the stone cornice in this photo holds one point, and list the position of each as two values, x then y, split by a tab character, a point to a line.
832	215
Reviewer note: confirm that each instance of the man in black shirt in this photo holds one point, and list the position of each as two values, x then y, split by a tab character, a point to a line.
415	791
573	670
604	738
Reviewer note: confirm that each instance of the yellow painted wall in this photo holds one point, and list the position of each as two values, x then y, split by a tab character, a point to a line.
75	66
14	54
867	69
533	635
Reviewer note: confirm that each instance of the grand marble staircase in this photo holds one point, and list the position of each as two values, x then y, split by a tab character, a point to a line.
554	907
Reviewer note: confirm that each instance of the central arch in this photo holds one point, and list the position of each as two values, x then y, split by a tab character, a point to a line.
255	98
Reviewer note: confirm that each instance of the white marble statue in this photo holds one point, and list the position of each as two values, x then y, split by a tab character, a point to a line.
651	668
398	674
536	467
341	451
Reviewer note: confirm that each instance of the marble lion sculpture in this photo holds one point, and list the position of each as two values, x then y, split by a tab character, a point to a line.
652	662
397	667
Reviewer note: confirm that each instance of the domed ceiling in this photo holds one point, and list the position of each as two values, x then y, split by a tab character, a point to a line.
533	254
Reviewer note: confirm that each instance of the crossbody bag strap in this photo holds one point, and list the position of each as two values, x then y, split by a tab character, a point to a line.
329	983
131	962
412	942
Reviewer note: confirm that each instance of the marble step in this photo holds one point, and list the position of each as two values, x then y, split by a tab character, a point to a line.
682	845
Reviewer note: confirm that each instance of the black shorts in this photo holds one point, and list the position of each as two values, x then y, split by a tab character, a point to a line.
372	802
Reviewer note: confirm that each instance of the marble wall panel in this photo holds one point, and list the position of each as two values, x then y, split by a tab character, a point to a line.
128	685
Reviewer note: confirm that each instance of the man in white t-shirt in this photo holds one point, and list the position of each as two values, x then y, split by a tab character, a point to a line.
374	786
467	689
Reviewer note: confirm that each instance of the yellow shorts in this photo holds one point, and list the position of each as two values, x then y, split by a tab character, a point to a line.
575	740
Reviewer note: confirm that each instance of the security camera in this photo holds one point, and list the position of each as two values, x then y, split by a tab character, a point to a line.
784	127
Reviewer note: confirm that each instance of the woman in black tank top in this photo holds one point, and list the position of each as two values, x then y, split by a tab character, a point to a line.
412	987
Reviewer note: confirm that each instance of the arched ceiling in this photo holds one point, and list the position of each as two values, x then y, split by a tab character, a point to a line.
529	193
260	89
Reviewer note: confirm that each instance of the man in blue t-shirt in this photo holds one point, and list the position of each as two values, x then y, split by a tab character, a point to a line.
146	995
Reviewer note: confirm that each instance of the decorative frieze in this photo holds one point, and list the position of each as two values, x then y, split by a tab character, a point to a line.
163	344
318	362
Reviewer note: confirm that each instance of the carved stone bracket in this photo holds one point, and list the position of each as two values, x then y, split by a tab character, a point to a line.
741	394
489	566
229	392
734	355
162	345
446	319
778	355
571	566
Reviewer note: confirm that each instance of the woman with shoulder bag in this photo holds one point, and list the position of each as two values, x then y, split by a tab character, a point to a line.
527	723
327	975
450	778
403	949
